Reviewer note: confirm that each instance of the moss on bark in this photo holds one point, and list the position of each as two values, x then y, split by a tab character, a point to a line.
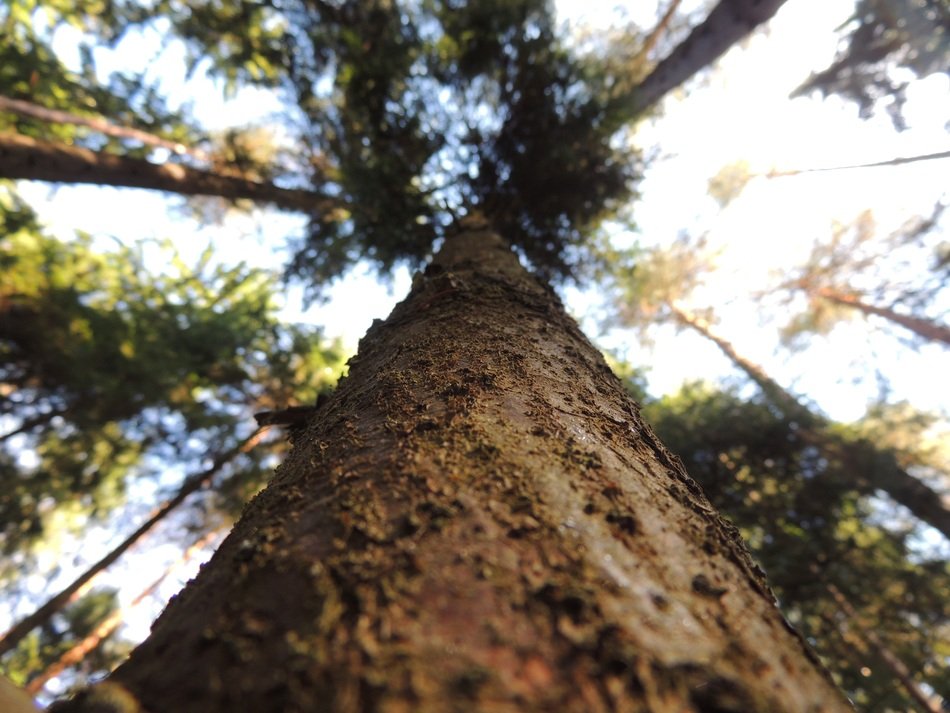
478	519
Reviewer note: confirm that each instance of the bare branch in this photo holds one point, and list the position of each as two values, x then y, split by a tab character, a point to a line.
22	157
103	126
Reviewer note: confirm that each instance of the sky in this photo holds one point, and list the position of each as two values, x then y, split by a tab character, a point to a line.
741	111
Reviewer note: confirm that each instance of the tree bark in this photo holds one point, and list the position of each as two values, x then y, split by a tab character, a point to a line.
477	520
872	468
22	157
729	22
928	329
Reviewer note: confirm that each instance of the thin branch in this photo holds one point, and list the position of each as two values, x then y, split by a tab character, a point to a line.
22	157
103	126
898	161
18	631
650	40
112	622
30	423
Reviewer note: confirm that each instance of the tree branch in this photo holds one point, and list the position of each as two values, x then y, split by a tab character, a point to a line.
897	161
22	157
18	631
728	23
102	126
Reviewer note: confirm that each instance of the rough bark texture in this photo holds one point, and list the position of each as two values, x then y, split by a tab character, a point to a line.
478	520
872	468
728	23
31	159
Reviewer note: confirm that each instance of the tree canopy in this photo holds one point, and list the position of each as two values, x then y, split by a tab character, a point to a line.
406	114
884	37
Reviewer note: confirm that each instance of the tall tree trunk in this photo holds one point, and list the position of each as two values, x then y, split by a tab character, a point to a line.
872	468
98	124
729	22
26	158
782	399
58	601
926	328
866	638
477	520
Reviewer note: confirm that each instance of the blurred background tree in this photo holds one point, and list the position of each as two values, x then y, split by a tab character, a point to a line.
884	37
116	379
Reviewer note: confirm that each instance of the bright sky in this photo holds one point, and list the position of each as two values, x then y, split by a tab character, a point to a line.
743	112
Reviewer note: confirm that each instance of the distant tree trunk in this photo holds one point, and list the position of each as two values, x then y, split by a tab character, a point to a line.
729	22
649	42
867	638
58	601
22	157
928	329
477	520
779	397
871	467
98	124
113	621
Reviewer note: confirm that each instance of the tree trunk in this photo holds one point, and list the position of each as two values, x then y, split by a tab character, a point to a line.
24	158
729	22
928	329
872	468
477	520
103	126
780	398
866	638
